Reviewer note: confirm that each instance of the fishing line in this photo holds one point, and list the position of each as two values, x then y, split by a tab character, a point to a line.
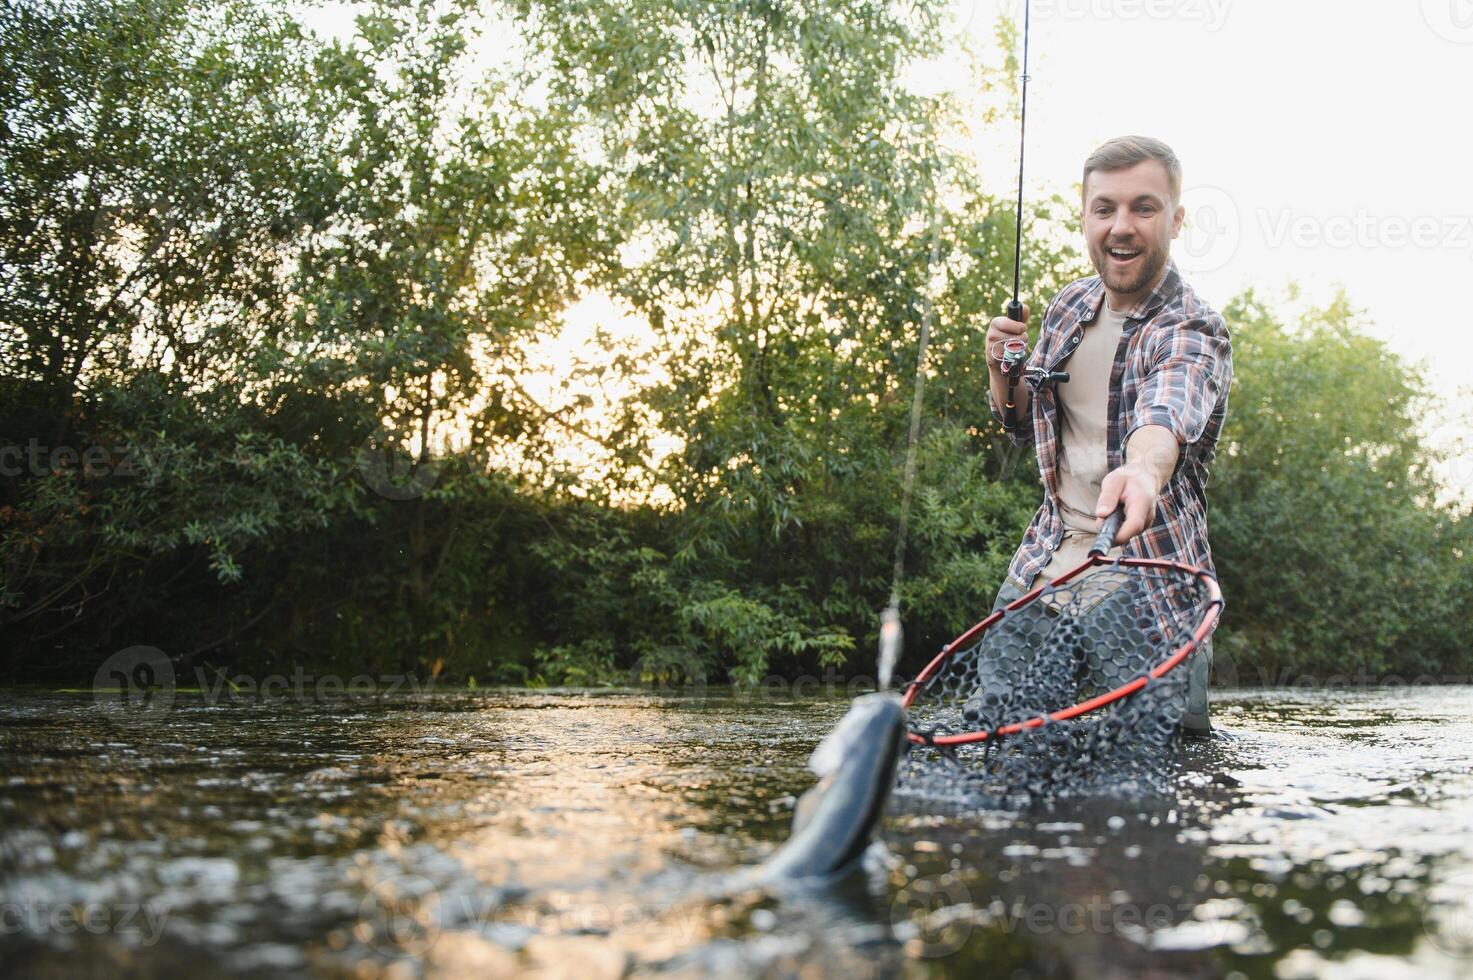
891	632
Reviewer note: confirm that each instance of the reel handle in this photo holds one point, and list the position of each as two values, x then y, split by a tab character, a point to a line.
1041	377
1106	539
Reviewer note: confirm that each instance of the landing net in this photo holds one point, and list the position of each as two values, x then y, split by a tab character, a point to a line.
1077	688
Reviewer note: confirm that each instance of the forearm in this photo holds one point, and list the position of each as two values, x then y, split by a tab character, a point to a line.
1153	451
1150	459
1021	396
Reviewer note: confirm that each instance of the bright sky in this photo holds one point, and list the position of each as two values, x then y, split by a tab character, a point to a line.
1321	141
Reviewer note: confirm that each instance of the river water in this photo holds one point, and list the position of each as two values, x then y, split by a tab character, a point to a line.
601	834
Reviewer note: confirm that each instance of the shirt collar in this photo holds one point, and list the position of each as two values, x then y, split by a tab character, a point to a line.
1167	284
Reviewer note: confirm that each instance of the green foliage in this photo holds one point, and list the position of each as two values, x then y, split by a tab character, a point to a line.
783	187
243	260
159	159
268	305
1333	553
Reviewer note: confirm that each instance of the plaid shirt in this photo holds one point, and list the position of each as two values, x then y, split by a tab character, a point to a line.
1172	368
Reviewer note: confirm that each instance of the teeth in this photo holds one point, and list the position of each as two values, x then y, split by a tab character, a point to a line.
1121	254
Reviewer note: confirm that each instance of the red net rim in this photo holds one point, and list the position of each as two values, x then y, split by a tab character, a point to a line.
1199	635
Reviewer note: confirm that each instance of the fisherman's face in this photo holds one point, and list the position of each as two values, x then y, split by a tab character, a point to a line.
1129	222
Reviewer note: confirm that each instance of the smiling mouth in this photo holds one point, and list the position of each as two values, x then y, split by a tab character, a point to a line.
1123	255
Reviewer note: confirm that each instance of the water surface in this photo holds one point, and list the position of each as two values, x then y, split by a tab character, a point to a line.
599	834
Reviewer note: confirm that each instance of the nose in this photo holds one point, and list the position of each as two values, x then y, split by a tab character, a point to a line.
1123	225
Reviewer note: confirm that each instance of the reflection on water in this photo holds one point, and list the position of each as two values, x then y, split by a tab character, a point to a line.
595	835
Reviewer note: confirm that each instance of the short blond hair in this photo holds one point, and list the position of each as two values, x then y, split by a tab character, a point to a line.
1127	151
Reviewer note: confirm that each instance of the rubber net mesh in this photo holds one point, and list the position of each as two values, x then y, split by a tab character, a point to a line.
1074	641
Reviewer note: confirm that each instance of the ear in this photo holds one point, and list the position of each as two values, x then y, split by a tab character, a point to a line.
1176	220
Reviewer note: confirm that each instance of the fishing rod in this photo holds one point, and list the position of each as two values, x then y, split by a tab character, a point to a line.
1014	354
891	633
1015	308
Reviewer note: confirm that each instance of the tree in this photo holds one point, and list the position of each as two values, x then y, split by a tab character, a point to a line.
464	222
787	205
1335	556
161	160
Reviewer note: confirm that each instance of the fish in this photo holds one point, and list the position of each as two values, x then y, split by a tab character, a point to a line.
834	821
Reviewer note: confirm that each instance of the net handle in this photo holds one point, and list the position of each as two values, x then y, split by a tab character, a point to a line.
1105	540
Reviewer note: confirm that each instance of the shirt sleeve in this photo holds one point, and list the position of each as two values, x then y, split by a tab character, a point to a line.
1192	365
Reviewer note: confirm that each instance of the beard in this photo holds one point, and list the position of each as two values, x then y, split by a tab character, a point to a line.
1148	268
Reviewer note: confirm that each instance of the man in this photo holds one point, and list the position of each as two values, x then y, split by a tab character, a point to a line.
1149	367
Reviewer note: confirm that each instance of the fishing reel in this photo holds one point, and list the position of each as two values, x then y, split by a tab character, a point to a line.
1012	361
1014	357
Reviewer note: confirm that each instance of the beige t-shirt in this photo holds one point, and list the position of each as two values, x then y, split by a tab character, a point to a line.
1084	408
